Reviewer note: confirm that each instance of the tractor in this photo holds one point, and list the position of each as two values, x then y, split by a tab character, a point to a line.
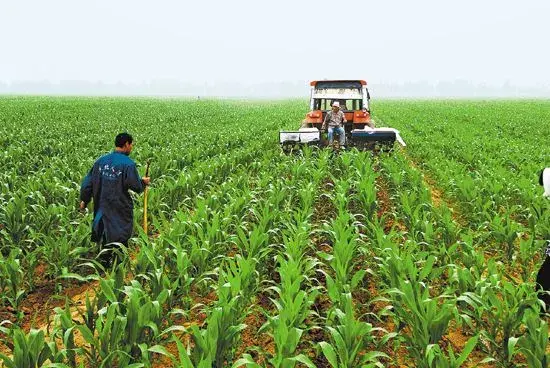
354	99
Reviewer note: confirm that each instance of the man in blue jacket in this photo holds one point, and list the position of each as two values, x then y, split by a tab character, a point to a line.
107	184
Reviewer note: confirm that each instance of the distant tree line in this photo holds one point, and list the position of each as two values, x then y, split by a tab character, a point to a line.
167	87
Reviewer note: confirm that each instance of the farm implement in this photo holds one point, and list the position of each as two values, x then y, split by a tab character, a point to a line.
354	100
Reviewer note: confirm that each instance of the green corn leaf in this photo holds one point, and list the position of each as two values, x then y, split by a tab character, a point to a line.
357	278
468	348
329	353
7	361
160	350
107	291
87	334
301	358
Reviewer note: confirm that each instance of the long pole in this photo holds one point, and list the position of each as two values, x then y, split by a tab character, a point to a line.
145	200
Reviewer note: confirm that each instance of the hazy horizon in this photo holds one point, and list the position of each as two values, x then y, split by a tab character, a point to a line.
256	49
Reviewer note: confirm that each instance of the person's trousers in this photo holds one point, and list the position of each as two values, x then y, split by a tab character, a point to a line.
341	135
109	251
543	282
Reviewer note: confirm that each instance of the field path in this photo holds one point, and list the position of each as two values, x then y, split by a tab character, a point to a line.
438	196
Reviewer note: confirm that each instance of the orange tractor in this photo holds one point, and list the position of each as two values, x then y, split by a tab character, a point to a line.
354	99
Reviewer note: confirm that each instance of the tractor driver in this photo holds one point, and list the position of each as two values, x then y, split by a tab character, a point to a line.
335	120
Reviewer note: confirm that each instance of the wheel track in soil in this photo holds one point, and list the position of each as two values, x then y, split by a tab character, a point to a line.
385	206
323	211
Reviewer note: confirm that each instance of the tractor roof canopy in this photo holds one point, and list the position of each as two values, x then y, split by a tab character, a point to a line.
338	84
338	89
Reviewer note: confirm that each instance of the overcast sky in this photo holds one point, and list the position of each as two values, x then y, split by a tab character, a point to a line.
253	41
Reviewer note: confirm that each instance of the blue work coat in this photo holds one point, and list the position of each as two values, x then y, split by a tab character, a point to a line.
107	184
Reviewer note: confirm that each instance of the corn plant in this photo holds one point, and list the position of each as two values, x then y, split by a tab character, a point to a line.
254	243
526	249
534	343
11	284
103	327
29	263
437	358
428	318
343	259
212	343
65	328
365	184
30	350
293	306
106	341
179	272
505	231
350	338
498	307
236	285
466	270
542	219
124	330
63	254
447	226
14	218
144	312
153	274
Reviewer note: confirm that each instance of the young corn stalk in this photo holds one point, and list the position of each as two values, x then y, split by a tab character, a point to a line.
63	253
534	343
179	269
11	282
352	340
254	244
465	265
343	259
213	345
293	306
124	331
15	219
428	318
436	357
294	301
30	350
528	248
447	227
542	218
151	271
504	230
103	327
106	340
498	307
206	240
365	184
64	330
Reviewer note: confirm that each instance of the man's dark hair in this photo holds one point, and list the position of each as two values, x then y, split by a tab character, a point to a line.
122	139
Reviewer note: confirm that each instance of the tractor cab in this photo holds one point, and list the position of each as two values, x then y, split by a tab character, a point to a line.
352	95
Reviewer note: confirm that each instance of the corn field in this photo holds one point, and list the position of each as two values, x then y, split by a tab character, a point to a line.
422	257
